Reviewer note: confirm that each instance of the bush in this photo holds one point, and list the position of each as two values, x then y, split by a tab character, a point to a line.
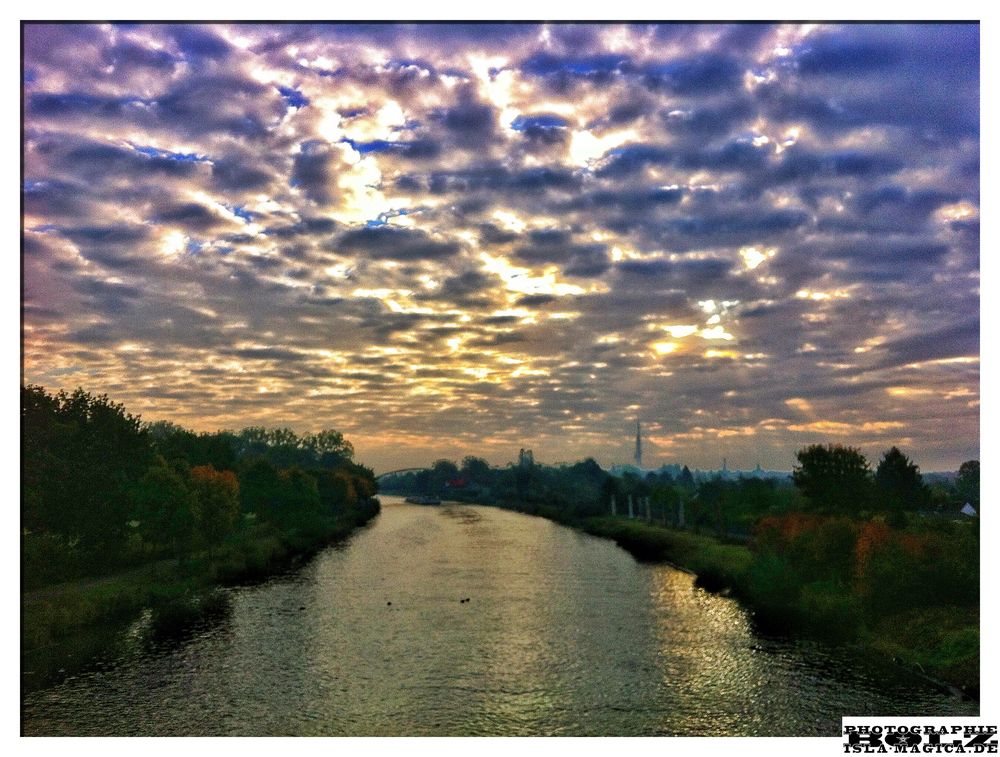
830	611
773	588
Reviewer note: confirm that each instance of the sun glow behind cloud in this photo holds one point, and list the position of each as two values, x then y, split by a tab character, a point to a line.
475	234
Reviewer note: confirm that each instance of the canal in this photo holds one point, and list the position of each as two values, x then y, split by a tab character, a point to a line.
561	633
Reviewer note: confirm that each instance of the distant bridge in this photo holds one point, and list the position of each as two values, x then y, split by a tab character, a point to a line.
400	470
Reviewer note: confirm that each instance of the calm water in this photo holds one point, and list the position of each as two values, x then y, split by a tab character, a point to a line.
564	633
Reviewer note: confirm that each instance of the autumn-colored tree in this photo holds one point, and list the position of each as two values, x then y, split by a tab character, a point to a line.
218	495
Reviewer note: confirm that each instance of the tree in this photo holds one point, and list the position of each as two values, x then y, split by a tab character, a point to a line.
82	456
218	494
299	496
41	466
260	487
899	483
336	490
166	508
329	447
175	443
967	482
475	469
442	472
834	478
686	480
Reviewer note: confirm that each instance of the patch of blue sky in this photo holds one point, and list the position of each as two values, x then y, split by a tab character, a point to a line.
544	64
411	63
376	145
241	212
156	152
383	218
293	97
540	121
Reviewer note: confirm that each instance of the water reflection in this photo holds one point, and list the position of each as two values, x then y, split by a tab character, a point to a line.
563	633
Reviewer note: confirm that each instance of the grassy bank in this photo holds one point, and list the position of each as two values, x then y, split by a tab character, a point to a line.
176	591
942	643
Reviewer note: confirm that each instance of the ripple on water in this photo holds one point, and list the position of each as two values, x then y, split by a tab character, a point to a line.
564	634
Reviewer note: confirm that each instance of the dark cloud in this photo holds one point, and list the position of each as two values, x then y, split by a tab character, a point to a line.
200	42
239	173
313	171
129	54
395	243
107	235
469	122
958	340
556	246
219	103
190	215
705	73
440	248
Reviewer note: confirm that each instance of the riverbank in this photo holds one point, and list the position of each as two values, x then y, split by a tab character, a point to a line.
62	623
939	643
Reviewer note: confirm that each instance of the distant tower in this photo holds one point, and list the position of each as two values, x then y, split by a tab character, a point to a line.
638	445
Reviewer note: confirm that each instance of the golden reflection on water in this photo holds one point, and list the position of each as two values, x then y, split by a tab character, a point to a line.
707	652
562	633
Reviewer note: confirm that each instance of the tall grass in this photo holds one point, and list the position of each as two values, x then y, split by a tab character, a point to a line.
179	592
941	642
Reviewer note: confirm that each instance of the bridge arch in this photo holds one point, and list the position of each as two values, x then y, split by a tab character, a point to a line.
399	470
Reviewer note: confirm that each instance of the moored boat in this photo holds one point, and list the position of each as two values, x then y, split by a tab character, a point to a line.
423	500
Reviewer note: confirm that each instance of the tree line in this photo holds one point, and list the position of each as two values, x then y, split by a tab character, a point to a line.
101	489
839	548
828	480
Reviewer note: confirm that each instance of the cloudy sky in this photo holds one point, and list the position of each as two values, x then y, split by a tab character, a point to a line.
452	239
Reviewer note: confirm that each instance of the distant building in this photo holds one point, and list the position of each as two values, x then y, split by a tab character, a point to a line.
525	458
638	445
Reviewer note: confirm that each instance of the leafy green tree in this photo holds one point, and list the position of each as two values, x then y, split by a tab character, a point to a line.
43	438
329	448
442	471
166	508
475	469
757	496
686	480
299	494
260	487
967	482
834	478
176	443
82	456
899	483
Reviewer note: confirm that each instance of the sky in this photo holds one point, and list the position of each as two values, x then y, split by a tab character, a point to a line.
457	239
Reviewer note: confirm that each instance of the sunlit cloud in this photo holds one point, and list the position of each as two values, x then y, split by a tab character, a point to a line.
446	239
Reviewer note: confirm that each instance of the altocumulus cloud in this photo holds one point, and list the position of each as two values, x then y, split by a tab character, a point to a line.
445	239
